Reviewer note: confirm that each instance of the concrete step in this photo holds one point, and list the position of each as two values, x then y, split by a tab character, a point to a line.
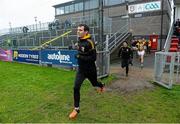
174	40
173	49
174	44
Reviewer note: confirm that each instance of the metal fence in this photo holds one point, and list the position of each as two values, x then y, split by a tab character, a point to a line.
103	63
40	33
37	34
177	67
91	20
167	68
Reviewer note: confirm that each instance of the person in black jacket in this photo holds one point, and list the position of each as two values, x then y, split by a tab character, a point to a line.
126	55
87	69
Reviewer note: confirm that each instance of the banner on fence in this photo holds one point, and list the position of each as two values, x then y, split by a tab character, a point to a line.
27	56
5	55
59	57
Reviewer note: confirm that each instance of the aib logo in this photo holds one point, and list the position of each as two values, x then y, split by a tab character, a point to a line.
152	6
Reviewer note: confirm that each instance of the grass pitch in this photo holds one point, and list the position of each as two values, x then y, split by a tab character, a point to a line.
31	94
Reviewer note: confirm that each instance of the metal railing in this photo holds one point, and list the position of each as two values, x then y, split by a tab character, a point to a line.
37	38
170	33
177	67
117	38
167	68
103	63
39	33
91	20
167	64
32	39
164	61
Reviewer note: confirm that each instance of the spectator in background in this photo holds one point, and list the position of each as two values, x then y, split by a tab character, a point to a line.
50	26
148	44
67	24
177	28
57	24
177	23
133	44
25	29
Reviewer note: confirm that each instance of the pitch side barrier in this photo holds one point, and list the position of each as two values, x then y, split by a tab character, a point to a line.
46	57
167	68
60	59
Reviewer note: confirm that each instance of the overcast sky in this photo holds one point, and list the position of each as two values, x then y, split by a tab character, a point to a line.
22	12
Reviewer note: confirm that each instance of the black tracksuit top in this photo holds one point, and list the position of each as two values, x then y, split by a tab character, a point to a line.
125	53
86	54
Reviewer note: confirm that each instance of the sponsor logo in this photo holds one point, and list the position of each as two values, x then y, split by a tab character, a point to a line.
15	54
60	57
145	7
132	8
152	6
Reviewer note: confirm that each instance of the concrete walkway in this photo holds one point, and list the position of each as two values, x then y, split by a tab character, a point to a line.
138	78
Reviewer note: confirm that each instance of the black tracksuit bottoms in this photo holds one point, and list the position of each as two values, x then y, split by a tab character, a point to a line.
81	75
125	63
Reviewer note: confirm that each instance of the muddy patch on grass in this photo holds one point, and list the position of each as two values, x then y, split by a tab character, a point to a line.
138	79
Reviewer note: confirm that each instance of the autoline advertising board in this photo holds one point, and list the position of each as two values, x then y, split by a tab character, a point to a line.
59	57
27	56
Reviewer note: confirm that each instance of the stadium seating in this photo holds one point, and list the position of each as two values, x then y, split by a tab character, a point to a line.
175	44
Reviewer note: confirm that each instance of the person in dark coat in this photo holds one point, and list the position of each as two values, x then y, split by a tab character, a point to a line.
126	55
